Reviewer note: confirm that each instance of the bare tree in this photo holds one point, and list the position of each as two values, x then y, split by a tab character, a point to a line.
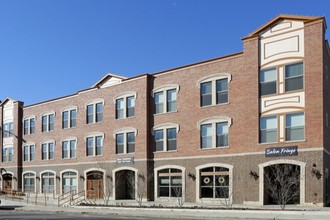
109	186
140	186
179	194
282	183
223	193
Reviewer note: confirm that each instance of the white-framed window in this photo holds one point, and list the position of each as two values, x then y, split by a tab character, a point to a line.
125	140
69	118
214	89
47	122
29	126
69	182
165	137
8	129
29	182
268	129
214	183
125	105
294	77
94	145
165	98
48	182
214	132
69	147
28	152
268	81
7	154
295	127
47	150
170	183
94	112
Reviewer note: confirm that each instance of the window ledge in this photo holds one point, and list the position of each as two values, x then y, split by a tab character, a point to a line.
94	123
119	119
163	113
284	142
169	151
214	148
122	154
208	106
283	93
69	128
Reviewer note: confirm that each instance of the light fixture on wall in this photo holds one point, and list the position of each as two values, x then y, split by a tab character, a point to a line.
315	172
82	177
253	174
192	176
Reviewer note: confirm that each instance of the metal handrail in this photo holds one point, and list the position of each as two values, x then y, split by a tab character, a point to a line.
76	196
64	197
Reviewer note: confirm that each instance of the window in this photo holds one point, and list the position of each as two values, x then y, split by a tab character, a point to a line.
125	140
165	137
294	77
7	154
170	183
94	146
69	182
268	81
214	134
69	149
8	130
69	118
214	91
268	129
94	113
47	122
29	125
47	151
125	143
214	183
29	182
125	107
29	152
165	98
48	182
295	127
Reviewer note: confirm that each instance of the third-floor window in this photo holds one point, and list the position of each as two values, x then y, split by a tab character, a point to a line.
165	98
8	129
47	122
125	107
69	118
29	126
94	113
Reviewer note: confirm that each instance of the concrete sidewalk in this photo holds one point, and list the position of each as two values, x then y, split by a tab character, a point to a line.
252	213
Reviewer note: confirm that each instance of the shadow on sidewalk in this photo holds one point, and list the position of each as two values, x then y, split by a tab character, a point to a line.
9	207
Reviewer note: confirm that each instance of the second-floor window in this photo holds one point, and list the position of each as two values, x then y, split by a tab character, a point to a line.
268	129
295	127
125	107
47	151
214	135
125	142
48	122
69	118
94	113
28	151
94	145
7	154
69	149
29	126
8	129
165	137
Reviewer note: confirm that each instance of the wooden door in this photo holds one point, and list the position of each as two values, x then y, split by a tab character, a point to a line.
94	189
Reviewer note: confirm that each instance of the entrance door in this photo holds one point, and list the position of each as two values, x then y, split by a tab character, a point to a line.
94	185
125	185
7	182
282	184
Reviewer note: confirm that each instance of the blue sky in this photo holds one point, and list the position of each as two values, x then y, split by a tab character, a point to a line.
53	48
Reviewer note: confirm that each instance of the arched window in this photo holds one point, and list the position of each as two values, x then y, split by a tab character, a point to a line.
48	182
169	183
214	182
69	182
29	182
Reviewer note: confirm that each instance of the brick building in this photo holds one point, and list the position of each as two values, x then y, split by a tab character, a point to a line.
210	129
